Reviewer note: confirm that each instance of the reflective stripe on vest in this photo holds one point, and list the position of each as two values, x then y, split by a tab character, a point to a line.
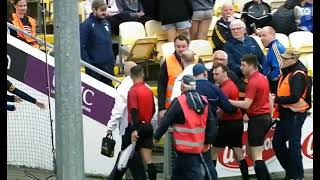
189	137
174	69
17	22
284	90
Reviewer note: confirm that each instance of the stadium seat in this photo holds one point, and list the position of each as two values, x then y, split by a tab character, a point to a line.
212	25
81	11
283	39
153	29
302	41
258	40
167	49
202	48
307	60
134	45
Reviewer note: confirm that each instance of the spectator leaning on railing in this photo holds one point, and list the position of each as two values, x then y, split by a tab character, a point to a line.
24	22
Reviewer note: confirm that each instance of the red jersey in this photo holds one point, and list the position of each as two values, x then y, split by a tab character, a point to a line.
140	97
231	91
258	90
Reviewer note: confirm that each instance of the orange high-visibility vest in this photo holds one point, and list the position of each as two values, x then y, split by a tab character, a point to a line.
189	137
284	90
174	69
17	22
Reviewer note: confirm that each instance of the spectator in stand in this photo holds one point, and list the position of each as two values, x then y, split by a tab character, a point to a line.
271	69
239	45
134	8
175	17
305	23
283	20
256	14
96	42
256	103
169	71
221	57
22	95
188	62
201	18
24	22
221	32
230	125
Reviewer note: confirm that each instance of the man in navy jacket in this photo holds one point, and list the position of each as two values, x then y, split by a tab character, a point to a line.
96	42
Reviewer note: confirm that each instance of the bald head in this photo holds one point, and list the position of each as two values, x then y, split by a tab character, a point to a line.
187	57
220	57
267	35
127	67
227	11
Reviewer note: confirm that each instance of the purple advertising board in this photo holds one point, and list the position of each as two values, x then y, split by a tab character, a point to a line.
95	103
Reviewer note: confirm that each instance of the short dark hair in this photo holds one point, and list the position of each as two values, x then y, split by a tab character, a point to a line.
250	59
98	3
15	2
136	72
181	38
223	67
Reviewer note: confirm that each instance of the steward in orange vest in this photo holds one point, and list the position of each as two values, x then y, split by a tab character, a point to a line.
291	98
169	71
30	27
193	131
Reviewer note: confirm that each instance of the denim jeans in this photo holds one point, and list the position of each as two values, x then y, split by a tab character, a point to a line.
290	158
193	167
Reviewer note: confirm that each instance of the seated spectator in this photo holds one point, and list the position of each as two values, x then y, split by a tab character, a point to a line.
175	16
221	32
283	20
241	44
256	14
201	18
24	22
305	22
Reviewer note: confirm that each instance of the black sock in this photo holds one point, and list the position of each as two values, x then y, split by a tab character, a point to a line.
244	169
152	172
214	163
261	170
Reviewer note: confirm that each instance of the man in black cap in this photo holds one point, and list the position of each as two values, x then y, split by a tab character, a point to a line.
193	131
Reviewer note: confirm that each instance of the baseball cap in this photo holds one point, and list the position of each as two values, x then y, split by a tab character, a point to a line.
198	69
188	80
290	52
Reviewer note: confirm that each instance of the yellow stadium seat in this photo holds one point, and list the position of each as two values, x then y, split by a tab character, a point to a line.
212	25
307	60
153	29
283	39
202	48
167	49
302	41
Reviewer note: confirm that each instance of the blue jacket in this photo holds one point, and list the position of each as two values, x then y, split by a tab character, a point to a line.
271	68
236	49
96	41
307	18
214	96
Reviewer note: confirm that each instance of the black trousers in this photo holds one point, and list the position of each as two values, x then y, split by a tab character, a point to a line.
135	164
105	68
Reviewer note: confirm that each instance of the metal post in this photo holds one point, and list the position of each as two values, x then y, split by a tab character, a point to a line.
68	99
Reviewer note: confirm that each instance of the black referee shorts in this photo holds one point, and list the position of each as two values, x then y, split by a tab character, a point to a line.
145	139
229	134
258	128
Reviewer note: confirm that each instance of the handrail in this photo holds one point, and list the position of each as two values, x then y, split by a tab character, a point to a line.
42	42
